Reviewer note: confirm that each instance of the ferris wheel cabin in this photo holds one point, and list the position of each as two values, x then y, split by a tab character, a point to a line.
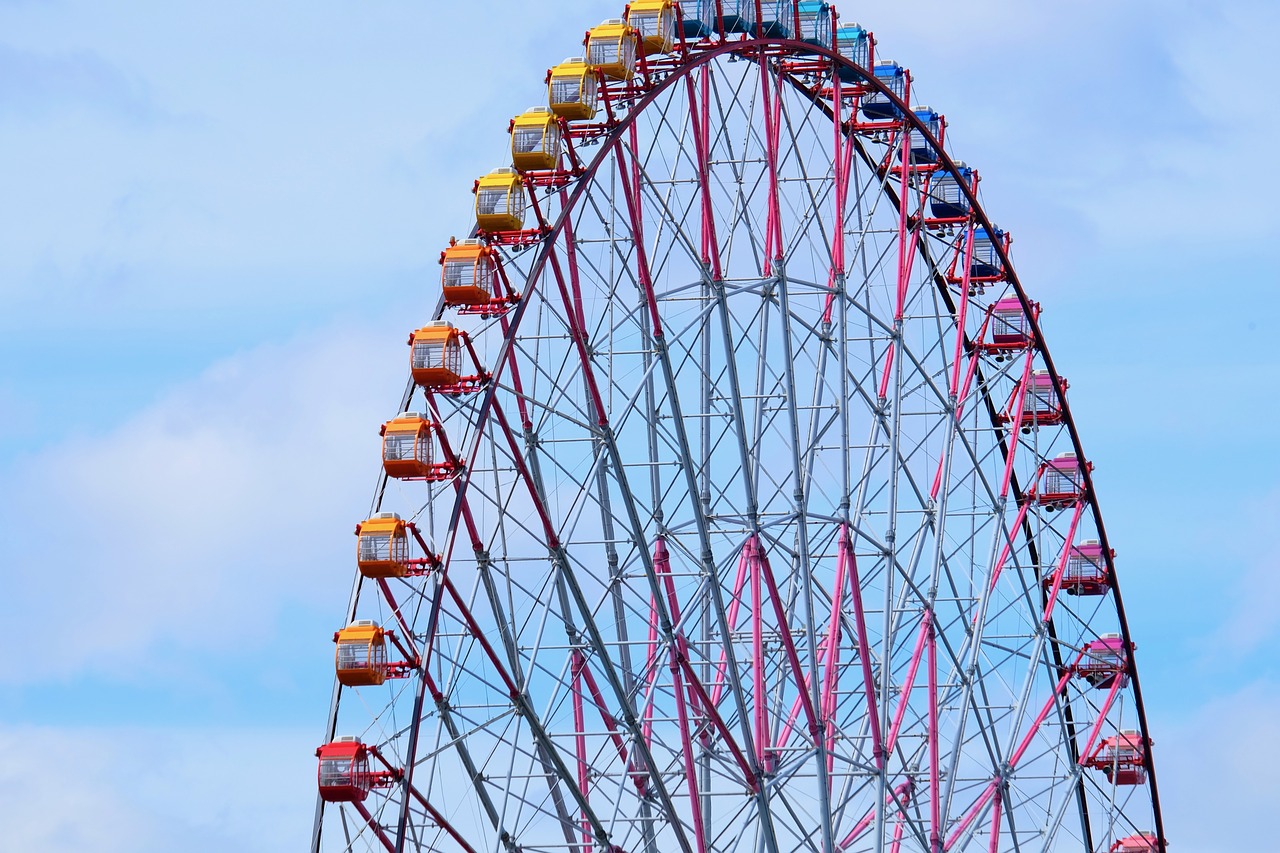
698	18
854	44
611	47
1086	570
654	21
815	22
777	18
1142	842
572	90
343	773
408	450
921	149
436	356
1105	660
535	140
947	201
736	16
1041	401
985	265
1062	481
382	546
1122	758
500	201
361	656
470	274
876	106
1009	328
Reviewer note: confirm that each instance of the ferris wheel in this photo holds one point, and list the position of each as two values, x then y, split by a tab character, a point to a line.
734	502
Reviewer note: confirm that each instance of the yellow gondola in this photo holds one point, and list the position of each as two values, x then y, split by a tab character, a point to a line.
571	90
611	47
436	355
655	23
500	201
535	139
382	546
469	274
361	656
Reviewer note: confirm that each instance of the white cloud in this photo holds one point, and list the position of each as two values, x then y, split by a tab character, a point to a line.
1215	770
189	526
131	790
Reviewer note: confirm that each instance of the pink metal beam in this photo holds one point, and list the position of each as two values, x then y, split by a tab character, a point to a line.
864	646
831	663
1102	718
842	162
406	631
773	222
905	254
641	781
964	304
580	741
697	693
375	826
899	797
700	121
883	392
994	845
935	779
1007	549
662	565
962	397
760	705
735	603
788	642
909	683
1062	562
630	180
1017	423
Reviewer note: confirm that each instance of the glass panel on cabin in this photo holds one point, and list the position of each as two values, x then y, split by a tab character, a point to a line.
566	89
428	353
1009	323
375	547
492	200
853	45
528	140
337	772
399	446
1080	566
354	654
1041	398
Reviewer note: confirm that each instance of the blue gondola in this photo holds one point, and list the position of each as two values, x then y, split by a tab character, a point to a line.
699	18
876	106
985	263
737	16
946	201
921	150
777	18
854	44
815	22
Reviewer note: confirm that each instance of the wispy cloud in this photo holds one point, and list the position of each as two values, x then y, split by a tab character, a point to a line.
1214	771
212	508
131	790
36	84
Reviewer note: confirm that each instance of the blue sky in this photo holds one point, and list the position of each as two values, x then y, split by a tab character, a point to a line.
219	220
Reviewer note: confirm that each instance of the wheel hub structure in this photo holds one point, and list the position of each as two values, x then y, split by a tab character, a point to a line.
754	517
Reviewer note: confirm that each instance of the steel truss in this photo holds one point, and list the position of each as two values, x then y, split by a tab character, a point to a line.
746	550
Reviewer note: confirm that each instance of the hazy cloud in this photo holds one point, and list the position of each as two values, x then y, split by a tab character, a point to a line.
34	84
190	526
132	790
